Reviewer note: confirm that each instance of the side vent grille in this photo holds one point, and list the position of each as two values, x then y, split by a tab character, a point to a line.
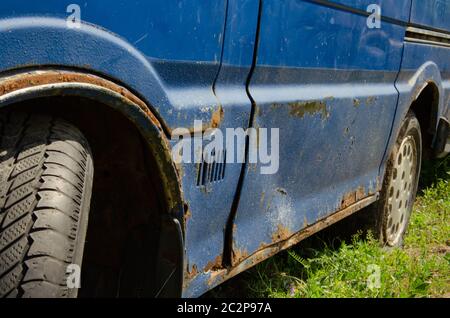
212	168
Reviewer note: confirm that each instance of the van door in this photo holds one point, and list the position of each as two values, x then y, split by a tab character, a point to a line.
325	78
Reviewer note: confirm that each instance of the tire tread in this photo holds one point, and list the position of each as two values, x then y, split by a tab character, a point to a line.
45	175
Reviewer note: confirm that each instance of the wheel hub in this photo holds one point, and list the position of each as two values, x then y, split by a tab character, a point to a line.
400	190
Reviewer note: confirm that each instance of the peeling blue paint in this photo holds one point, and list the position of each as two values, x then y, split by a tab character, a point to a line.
336	88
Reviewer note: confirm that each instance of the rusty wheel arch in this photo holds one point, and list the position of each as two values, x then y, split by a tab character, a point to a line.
29	84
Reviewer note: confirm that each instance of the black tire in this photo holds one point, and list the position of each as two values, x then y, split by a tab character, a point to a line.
378	217
46	175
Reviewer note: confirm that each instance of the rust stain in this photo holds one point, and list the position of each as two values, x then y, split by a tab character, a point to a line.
267	250
217	117
371	100
360	194
256	259
257	111
346	131
187	215
275	106
282	233
51	77
301	109
379	184
214	265
261	201
217	276
38	78
352	197
192	272
262	246
239	255
348	199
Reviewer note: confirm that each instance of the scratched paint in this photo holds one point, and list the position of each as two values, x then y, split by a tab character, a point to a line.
332	147
300	109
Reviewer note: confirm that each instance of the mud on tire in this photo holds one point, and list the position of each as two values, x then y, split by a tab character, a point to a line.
46	175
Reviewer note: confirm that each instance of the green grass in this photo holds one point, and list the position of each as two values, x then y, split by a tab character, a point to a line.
325	268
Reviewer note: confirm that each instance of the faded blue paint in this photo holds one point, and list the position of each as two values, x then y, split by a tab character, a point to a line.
322	160
336	89
324	154
434	14
179	44
394	9
335	39
184	30
205	228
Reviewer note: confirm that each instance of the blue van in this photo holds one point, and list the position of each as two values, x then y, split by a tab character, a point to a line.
96	95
